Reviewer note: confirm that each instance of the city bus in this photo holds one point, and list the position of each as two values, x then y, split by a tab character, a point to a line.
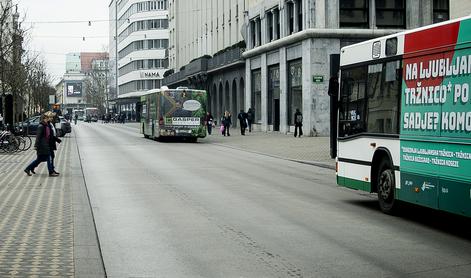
80	114
174	113
404	128
91	114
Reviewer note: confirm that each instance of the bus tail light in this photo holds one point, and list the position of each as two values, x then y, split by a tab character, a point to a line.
336	166
161	121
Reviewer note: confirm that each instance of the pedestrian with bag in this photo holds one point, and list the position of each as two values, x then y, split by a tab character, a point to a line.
298	123
226	122
42	147
242	121
208	119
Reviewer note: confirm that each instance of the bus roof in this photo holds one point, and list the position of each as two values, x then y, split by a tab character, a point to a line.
364	51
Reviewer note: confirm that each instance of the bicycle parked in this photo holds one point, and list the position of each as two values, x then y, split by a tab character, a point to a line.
14	141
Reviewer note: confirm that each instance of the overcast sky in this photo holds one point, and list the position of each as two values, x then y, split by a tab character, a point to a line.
51	35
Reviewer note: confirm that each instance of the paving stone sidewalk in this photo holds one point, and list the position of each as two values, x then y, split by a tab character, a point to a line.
46	225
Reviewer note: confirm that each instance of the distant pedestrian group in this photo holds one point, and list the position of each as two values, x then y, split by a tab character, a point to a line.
245	121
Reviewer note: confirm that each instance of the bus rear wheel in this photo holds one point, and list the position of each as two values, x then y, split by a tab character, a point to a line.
386	187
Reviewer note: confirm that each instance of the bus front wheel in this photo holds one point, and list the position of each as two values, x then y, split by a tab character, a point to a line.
386	187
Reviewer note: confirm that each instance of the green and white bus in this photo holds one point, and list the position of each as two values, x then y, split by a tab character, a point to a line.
404	128
174	113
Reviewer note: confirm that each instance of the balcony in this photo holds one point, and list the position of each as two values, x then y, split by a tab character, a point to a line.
226	57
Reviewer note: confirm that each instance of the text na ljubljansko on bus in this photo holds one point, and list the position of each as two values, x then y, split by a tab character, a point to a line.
174	113
404	128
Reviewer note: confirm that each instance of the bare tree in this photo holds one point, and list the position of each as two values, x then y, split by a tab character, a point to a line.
6	46
96	84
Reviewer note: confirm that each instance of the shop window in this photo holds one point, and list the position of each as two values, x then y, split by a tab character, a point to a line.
295	89
256	101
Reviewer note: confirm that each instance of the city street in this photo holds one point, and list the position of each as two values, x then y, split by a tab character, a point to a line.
203	209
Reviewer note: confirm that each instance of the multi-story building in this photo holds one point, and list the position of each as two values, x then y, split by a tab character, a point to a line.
205	52
138	48
293	48
72	91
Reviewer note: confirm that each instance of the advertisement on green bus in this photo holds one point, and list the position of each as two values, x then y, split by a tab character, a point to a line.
436	118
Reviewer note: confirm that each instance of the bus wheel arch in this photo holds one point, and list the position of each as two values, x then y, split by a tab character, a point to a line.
383	180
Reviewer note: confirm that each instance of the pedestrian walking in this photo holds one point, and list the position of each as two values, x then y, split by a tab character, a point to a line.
208	119
42	147
226	122
242	121
298	123
250	118
75	118
53	139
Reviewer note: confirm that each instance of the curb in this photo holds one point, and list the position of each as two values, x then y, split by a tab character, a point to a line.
312	163
88	259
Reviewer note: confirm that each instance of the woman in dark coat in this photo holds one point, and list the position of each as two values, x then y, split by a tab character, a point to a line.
42	147
226	121
52	119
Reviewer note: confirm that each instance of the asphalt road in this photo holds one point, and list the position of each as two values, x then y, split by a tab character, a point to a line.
202	210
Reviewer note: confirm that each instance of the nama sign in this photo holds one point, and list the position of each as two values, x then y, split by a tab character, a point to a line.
150	74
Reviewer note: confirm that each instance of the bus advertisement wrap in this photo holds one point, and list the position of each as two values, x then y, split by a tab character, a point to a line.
404	128
436	117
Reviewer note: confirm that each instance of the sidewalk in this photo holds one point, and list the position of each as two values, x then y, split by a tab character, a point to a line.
310	150
46	224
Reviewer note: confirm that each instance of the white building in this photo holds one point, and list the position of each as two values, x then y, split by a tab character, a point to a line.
293	48
138	49
205	52
203	27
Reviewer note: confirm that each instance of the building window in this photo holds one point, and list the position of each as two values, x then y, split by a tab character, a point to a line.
269	20
354	14
256	101
441	10
273	93
252	33
290	9
390	14
295	89
277	20
299	6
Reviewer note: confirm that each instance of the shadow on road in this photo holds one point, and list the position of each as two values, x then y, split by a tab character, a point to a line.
441	221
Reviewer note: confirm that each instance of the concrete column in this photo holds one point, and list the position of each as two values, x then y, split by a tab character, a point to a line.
332	11
248	84
283	91
263	28
308	97
283	20
413	14
320	13
372	14
304	13
264	87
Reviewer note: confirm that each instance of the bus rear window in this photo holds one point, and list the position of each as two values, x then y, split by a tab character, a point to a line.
369	99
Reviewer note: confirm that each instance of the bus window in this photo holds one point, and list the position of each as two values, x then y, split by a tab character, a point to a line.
352	101
384	84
